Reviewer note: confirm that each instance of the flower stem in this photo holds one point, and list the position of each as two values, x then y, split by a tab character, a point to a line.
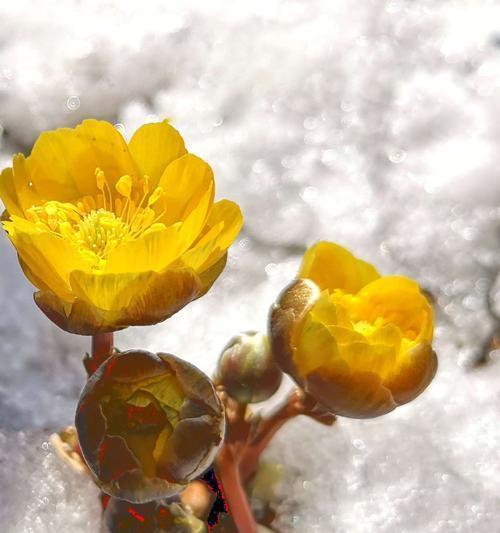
298	403
234	492
102	348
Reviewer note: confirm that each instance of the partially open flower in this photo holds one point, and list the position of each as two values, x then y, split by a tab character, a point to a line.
247	369
115	235
359	343
148	424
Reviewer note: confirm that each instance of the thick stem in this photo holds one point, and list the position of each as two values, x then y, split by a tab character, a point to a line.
264	433
102	348
234	492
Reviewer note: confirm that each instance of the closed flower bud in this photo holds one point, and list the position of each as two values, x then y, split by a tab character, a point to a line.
247	370
148	424
359	343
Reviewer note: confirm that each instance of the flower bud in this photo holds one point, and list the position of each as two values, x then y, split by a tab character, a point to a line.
247	369
148	424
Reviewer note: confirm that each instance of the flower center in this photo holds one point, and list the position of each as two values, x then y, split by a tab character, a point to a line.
100	231
96	226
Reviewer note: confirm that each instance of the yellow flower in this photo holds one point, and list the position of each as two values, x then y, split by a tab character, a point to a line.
359	343
115	235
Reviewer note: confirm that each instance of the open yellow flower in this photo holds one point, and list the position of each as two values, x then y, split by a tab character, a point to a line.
115	235
359	343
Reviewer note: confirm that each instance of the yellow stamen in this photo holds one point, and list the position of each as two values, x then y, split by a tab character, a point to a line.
124	186
155	196
96	225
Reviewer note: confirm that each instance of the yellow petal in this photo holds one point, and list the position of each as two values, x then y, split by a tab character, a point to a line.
343	335
223	226
185	181
198	256
315	347
8	192
397	300
332	267
154	147
167	293
62	163
387	334
108	291
229	213
142	299
195	219
47	255
129	294
364	357
157	249
16	189
154	250
324	310
77	317
210	275
414	372
25	188
355	395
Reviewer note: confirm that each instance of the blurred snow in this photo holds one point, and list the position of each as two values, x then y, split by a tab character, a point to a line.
373	124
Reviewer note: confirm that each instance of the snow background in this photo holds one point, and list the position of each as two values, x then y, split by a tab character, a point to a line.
373	124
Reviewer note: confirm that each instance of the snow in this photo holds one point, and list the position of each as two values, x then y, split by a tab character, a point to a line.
371	124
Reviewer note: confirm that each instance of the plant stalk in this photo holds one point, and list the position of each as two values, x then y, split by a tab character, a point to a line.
234	493
102	348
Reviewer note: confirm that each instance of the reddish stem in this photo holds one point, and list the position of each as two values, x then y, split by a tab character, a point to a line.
264	433
102	348
234	492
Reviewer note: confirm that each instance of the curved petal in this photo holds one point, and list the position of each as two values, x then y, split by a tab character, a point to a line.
26	191
121	292
223	226
141	300
332	267
152	251
108	291
286	318
156	250
47	255
8	193
16	189
229	213
154	147
209	276
354	395
62	163
167	293
315	348
184	182
198	256
363	357
415	370
78	317
325	311
397	300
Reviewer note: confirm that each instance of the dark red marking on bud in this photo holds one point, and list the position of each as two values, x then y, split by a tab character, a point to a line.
135	514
